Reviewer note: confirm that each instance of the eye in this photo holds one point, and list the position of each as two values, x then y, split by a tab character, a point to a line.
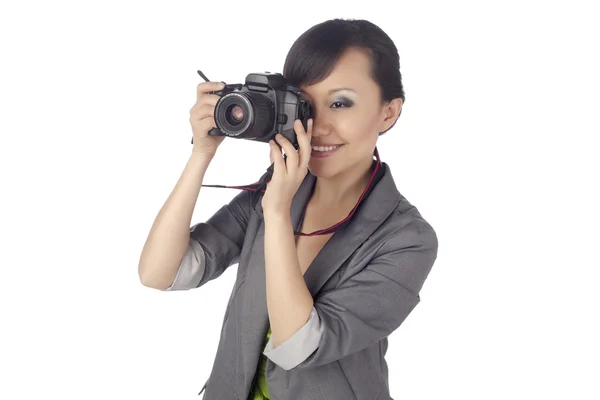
341	104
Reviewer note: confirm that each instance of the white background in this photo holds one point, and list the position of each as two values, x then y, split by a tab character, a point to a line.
496	146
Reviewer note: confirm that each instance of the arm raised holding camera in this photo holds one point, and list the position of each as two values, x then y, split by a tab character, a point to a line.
169	236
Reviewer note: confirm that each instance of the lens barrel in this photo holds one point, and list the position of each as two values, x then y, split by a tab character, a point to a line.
244	114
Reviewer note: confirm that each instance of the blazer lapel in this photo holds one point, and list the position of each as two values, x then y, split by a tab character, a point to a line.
378	204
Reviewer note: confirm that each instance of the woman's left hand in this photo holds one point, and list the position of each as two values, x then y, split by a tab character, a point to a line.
287	174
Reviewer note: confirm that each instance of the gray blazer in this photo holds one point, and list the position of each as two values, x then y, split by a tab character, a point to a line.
365	281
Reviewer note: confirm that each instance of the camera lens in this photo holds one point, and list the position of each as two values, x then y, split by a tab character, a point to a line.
234	114
244	114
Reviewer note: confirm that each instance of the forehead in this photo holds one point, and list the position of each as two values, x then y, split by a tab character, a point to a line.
353	70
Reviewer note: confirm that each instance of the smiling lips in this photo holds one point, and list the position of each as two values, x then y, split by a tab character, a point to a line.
325	148
319	151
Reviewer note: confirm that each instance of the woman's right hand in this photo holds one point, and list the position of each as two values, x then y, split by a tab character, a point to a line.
202	118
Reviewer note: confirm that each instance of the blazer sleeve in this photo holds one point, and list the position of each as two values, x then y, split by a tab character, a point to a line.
191	269
216	244
366	307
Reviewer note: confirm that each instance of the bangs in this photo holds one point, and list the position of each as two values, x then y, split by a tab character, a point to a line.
315	53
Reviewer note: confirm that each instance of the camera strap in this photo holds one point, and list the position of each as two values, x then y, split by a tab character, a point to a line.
378	170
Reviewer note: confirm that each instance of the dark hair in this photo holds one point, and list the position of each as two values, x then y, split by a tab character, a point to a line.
314	54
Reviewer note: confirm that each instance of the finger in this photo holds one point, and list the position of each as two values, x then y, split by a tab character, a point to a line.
201	111
305	144
205	125
277	158
290	151
206	87
210	99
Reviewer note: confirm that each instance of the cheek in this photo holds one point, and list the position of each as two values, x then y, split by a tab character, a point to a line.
355	126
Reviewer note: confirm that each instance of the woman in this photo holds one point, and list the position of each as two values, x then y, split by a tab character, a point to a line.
309	315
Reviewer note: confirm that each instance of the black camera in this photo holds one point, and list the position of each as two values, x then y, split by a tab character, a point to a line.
260	108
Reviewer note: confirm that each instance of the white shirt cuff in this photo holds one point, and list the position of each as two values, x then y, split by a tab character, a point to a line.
191	269
299	346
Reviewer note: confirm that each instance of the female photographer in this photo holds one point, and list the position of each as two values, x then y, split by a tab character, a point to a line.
331	259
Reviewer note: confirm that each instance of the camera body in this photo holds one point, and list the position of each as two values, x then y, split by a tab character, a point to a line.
260	108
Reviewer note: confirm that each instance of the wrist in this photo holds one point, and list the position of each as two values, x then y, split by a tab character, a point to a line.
202	155
199	162
277	215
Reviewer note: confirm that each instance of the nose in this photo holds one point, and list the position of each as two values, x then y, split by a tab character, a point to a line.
320	126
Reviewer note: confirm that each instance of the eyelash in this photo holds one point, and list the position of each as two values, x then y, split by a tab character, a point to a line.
344	103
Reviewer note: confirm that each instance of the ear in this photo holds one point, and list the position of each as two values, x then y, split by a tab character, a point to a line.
392	111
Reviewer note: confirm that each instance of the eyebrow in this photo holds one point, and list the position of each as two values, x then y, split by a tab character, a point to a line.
333	90
340	89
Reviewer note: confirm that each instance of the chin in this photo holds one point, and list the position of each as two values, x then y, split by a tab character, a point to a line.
323	171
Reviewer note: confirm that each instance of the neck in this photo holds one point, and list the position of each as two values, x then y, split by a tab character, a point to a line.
346	186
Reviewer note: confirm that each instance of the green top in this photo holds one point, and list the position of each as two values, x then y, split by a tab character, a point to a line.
260	391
